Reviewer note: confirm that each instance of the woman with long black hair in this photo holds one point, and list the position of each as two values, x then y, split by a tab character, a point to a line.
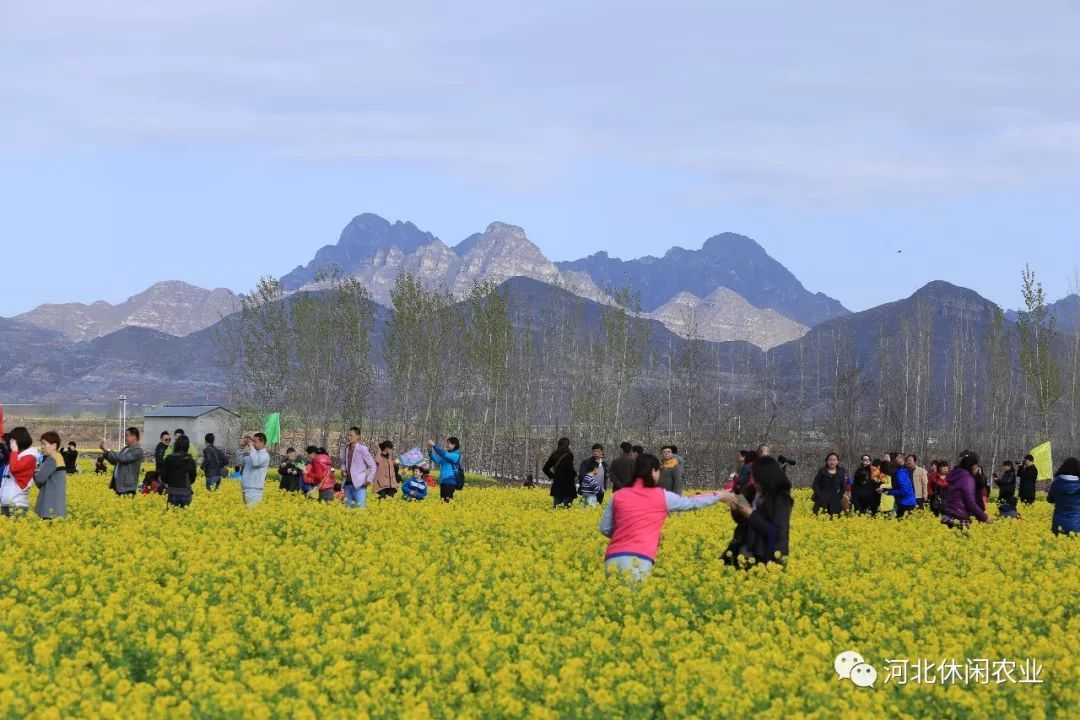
560	469
763	525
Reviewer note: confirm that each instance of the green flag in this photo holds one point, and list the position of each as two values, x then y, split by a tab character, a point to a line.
272	428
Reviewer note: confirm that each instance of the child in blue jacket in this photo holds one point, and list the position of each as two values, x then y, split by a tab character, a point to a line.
414	487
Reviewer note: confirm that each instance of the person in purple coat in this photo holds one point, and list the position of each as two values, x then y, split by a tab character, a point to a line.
962	503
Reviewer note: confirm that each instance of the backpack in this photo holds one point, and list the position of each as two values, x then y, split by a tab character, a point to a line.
459	474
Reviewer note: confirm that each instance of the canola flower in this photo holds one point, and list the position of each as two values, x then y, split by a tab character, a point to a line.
497	606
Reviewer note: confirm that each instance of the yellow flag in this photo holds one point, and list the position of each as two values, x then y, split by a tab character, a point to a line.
1043	461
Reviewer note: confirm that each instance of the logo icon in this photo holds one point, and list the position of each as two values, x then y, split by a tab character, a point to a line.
845	661
864	675
850	665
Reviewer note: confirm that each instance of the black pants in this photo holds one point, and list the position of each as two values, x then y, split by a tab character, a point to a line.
560	501
902	510
126	493
446	491
388	493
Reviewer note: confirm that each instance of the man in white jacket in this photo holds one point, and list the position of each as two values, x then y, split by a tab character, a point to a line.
256	462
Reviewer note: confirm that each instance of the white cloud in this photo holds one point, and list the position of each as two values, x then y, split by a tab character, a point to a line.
816	101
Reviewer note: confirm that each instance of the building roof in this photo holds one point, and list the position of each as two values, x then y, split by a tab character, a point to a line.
184	411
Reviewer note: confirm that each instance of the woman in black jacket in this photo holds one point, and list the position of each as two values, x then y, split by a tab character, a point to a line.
178	472
560	469
864	495
1007	485
763	528
829	486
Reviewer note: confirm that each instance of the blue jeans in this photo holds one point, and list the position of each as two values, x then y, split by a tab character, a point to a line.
178	500
589	500
355	497
213	483
636	567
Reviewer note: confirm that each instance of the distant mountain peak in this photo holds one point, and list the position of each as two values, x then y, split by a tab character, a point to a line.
729	242
501	228
728	260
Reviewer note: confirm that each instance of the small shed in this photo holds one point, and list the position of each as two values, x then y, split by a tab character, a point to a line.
196	421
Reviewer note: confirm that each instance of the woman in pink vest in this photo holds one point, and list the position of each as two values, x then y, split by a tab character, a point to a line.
636	514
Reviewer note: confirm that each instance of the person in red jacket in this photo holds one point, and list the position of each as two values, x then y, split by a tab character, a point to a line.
22	464
320	474
938	485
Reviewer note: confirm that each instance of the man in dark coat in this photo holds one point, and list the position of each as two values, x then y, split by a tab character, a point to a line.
601	473
1029	475
159	451
622	468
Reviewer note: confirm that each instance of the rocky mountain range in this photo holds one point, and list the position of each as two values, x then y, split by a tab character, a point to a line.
157	343
728	260
376	251
172	307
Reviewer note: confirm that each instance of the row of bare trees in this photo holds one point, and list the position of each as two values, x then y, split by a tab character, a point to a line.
509	372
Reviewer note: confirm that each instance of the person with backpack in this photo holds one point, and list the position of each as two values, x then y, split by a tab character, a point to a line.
559	469
178	473
451	475
214	462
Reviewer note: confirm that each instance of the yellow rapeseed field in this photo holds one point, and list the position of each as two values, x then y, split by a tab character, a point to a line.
498	607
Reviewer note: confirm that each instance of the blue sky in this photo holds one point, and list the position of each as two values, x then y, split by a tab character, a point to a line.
215	142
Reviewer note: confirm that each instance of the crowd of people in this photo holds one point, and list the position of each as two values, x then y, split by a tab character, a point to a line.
960	494
645	488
